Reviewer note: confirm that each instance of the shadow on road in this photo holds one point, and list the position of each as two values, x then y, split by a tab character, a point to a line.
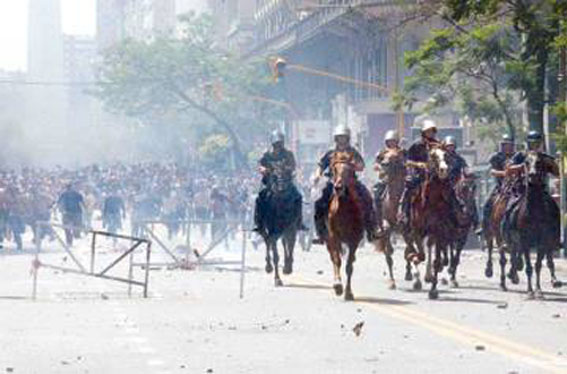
376	300
471	300
14	298
307	286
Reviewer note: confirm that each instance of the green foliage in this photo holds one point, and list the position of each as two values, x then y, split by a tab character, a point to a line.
488	57
215	151
190	77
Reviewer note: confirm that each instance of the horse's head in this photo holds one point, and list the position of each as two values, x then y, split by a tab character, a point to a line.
393	162
342	167
465	189
531	163
438	162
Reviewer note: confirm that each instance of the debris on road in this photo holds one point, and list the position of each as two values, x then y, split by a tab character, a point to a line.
104	296
9	370
502	306
557	315
319	272
357	329
480	348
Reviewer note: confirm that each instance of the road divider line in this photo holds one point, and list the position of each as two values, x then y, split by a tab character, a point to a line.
464	334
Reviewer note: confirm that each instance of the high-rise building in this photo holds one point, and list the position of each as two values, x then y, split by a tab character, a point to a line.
46	97
110	22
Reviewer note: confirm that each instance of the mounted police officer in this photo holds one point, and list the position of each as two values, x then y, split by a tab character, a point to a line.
341	135
391	142
281	161
417	153
458	168
543	164
498	162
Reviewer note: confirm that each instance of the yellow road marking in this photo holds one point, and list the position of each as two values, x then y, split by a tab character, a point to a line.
467	335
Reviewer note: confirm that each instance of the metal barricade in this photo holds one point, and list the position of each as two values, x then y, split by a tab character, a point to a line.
81	269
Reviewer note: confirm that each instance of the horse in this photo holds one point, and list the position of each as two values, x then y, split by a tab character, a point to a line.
281	222
431	220
344	220
493	234
387	206
533	221
465	191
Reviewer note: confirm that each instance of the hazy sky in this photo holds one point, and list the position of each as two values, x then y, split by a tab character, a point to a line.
78	17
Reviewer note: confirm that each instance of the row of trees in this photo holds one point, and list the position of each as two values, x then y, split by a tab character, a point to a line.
487	57
189	78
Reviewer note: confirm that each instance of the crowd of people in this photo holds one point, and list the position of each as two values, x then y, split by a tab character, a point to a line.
106	196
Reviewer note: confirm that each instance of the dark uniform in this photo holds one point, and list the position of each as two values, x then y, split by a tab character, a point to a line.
322	204
283	164
498	162
418	152
457	168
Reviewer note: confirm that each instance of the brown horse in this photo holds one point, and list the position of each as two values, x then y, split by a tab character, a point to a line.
493	235
345	220
465	191
431	222
393	166
533	221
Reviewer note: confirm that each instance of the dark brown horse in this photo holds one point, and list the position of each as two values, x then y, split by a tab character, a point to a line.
393	166
345	220
533	220
492	234
465	191
431	221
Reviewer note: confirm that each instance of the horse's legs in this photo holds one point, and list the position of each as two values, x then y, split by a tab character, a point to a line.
503	269
529	269
349	268
390	261
408	251
428	274
269	266
437	266
335	253
276	257
455	261
538	265
515	257
551	266
488	272
289	244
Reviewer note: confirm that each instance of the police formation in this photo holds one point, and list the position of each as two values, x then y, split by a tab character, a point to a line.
426	195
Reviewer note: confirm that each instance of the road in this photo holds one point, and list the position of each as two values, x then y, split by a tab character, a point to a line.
195	322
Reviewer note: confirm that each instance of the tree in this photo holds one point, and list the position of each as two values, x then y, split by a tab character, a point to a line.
490	55
189	76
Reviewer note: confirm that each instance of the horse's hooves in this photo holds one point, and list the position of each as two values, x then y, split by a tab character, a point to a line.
454	283
515	279
556	284
503	287
287	270
539	295
445	262
488	272
278	283
433	294
520	265
338	289
530	295
428	278
269	268
444	281
408	277
391	285
417	286
349	296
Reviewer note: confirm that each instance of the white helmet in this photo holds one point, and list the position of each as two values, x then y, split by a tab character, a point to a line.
341	130
391	135
428	125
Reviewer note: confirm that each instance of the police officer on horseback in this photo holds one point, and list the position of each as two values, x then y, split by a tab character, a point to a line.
278	162
341	135
498	162
458	168
391	142
417	155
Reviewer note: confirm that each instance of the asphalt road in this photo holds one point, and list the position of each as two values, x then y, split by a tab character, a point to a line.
195	322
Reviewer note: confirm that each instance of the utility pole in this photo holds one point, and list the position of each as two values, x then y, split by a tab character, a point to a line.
562	78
